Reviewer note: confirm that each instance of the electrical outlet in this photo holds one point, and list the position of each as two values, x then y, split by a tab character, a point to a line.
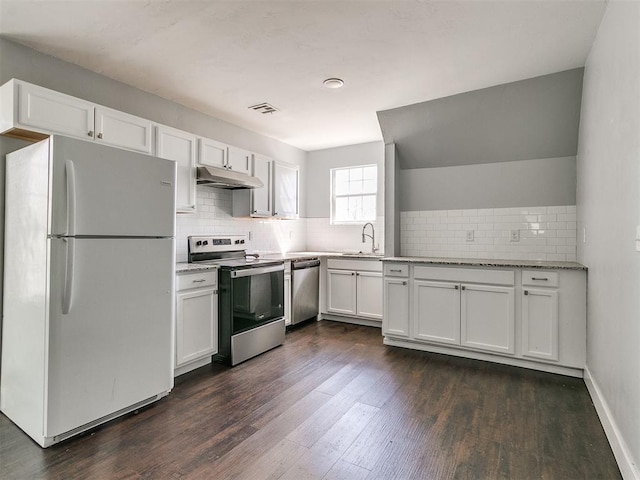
637	238
470	235
515	235
584	234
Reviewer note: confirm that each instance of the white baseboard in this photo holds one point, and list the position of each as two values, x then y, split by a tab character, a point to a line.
628	467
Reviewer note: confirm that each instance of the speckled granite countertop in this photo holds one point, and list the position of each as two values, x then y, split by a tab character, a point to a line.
489	262
184	267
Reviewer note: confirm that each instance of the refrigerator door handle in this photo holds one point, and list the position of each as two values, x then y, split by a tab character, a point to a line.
68	277
71	198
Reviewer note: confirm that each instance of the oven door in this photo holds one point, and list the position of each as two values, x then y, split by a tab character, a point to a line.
257	296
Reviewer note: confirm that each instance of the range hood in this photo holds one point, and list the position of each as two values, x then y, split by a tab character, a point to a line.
223	178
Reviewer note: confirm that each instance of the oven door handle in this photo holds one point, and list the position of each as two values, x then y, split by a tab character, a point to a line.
247	272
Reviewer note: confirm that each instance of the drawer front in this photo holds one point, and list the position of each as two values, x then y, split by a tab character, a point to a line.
472	275
540	278
396	269
186	281
353	264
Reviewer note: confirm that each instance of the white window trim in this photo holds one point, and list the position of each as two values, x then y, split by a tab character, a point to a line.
332	220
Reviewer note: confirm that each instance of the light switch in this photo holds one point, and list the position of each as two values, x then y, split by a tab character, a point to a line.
470	235
515	235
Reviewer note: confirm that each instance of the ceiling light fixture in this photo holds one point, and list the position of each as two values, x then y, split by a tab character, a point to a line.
333	83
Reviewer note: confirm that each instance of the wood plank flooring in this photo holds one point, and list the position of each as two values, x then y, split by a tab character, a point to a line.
334	403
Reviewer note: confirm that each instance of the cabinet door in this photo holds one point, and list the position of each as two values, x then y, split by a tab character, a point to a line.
123	130
285	190
180	146
212	153
395	321
54	112
436	311
540	323
488	318
341	292
287	299
239	160
196	325
369	295
261	201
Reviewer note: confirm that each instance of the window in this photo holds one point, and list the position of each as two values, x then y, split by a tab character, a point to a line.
353	194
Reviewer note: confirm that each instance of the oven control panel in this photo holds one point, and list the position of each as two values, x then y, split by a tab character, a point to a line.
216	243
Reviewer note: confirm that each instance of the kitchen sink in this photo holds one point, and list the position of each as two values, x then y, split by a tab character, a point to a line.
362	254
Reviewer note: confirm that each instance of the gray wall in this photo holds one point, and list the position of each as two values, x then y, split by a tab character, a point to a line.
320	163
609	209
526	183
17	61
525	120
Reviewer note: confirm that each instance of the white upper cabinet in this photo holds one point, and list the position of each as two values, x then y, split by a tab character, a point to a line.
122	130
285	190
212	153
180	146
29	108
261	198
33	112
239	160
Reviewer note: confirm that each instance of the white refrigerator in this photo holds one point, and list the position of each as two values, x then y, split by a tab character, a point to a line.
89	267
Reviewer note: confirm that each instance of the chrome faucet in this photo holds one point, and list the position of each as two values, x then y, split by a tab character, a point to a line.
372	236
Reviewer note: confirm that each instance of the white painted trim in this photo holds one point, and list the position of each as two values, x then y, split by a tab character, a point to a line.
458	352
353	320
628	468
192	366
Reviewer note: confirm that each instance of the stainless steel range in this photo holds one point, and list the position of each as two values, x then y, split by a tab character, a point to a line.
251	296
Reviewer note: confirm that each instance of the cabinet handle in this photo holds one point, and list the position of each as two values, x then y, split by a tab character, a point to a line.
404	283
456	287
90	133
539	278
230	167
198	281
463	287
100	135
395	270
275	214
526	292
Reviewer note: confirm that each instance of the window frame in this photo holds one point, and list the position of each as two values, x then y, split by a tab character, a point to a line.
334	196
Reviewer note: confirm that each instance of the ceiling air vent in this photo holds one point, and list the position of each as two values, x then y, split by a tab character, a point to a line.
264	108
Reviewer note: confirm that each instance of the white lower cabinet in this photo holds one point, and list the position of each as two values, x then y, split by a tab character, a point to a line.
487	318
355	288
341	292
521	317
395	320
196	319
436	311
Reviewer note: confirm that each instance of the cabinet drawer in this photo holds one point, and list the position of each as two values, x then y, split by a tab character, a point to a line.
473	275
364	265
396	269
196	280
540	278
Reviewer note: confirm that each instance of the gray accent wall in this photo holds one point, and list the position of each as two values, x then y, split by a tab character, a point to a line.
526	183
525	120
609	210
320	163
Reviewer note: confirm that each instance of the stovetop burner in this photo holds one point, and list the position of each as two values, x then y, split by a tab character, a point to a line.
226	251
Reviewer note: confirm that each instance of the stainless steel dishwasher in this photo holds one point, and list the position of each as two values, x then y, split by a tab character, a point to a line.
305	278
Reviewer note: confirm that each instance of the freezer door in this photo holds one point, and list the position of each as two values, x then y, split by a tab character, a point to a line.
104	191
113	346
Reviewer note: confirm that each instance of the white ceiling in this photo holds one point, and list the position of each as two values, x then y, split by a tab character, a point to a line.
220	57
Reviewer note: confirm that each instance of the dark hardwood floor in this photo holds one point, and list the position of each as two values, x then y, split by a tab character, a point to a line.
334	403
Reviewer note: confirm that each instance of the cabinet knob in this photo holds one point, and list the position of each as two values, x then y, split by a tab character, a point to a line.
463	287
100	135
230	167
90	133
275	214
353	273
456	287
526	292
404	283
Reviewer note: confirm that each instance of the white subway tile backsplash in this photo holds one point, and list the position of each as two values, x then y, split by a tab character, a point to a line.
546	233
